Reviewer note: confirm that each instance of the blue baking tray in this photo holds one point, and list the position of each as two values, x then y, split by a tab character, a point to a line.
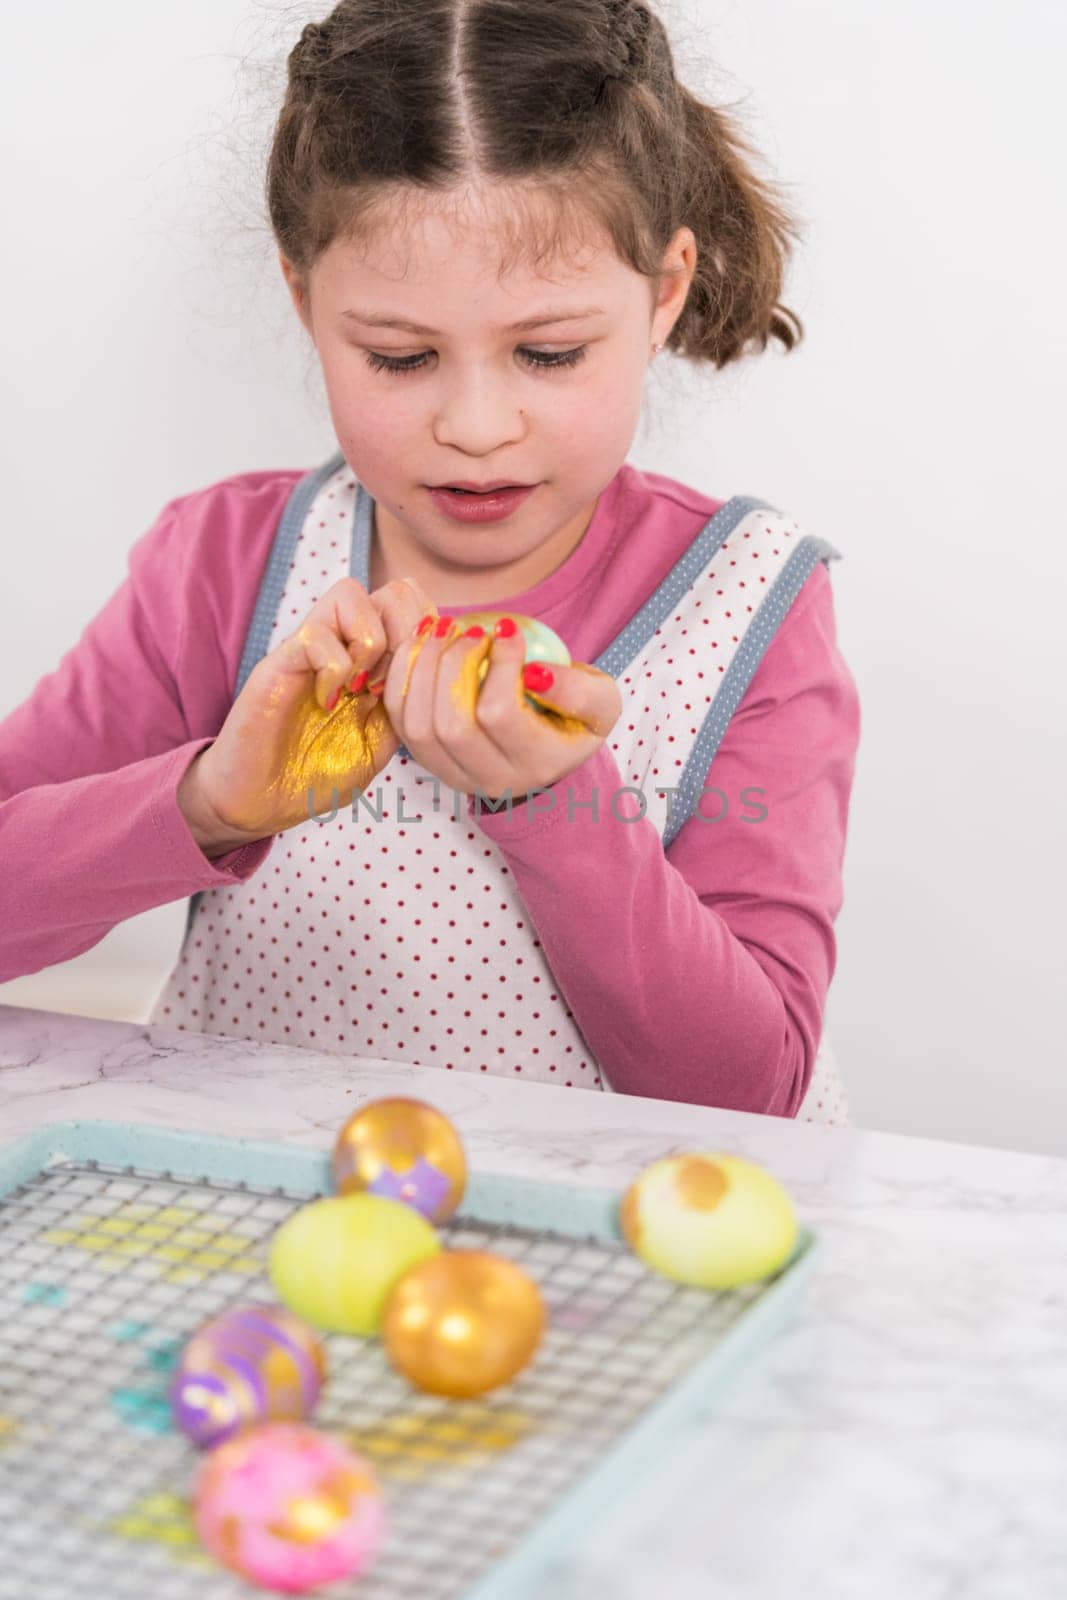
117	1241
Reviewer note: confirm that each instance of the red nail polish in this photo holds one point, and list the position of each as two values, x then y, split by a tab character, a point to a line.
424	626
475	631
443	626
376	688
358	682
332	701
536	676
505	628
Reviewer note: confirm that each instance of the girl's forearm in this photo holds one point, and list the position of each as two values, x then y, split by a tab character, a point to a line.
79	857
670	1002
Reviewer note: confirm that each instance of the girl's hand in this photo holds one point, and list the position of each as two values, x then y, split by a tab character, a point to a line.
295	726
492	739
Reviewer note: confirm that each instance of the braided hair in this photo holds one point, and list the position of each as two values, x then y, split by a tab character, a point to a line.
573	101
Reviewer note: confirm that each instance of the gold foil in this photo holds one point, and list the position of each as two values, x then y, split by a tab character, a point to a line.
413	655
468	682
325	750
309	1518
551	652
568	726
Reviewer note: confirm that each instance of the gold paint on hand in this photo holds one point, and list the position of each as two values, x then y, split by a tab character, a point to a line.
344	748
280	758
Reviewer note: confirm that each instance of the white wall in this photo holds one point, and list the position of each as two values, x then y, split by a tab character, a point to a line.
150	349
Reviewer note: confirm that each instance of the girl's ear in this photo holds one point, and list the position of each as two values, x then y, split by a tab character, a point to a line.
672	291
296	290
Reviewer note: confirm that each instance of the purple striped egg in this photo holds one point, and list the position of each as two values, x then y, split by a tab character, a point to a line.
252	1364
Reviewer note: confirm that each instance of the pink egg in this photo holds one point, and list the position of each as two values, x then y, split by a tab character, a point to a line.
289	1507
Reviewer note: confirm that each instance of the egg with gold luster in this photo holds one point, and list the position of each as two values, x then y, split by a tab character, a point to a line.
463	1323
403	1149
709	1219
253	1363
335	1260
289	1508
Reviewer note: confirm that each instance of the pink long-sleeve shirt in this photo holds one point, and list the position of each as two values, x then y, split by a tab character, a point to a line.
713	984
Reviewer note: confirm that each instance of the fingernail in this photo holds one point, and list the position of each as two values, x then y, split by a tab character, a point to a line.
475	631
424	626
536	676
332	701
443	626
505	628
376	688
358	682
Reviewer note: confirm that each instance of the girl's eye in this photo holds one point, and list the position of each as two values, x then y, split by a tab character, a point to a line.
542	359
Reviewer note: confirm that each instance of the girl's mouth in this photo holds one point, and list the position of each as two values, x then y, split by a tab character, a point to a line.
471	505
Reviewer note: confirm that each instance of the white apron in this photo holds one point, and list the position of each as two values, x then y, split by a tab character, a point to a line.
395	931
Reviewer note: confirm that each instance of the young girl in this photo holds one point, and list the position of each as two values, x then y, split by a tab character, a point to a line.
490	215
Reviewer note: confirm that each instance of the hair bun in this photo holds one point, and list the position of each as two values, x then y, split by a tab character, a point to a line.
311	51
628	23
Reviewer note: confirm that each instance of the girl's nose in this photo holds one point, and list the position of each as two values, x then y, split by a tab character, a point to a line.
477	413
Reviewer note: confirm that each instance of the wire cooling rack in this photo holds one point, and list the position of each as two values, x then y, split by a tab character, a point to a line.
117	1242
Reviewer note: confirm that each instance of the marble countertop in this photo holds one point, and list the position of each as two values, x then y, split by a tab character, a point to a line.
906	1437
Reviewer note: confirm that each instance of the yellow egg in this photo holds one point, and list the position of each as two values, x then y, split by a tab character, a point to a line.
463	1323
709	1219
335	1260
405	1150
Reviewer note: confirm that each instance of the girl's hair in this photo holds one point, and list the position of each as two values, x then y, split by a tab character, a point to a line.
573	101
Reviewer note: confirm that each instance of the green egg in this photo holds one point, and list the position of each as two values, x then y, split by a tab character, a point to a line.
335	1261
542	643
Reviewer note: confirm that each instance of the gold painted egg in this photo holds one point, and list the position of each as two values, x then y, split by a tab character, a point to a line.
403	1149
709	1219
463	1323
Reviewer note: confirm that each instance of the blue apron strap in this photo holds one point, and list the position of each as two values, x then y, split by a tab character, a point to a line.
272	587
274	579
663	602
359	554
750	652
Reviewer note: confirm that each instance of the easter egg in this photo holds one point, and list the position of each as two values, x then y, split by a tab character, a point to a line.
335	1260
405	1150
542	642
252	1364
709	1219
463	1323
289	1508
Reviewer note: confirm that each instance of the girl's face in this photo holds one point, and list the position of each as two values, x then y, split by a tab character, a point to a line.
466	394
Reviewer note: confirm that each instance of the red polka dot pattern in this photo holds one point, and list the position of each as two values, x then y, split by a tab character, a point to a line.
404	938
